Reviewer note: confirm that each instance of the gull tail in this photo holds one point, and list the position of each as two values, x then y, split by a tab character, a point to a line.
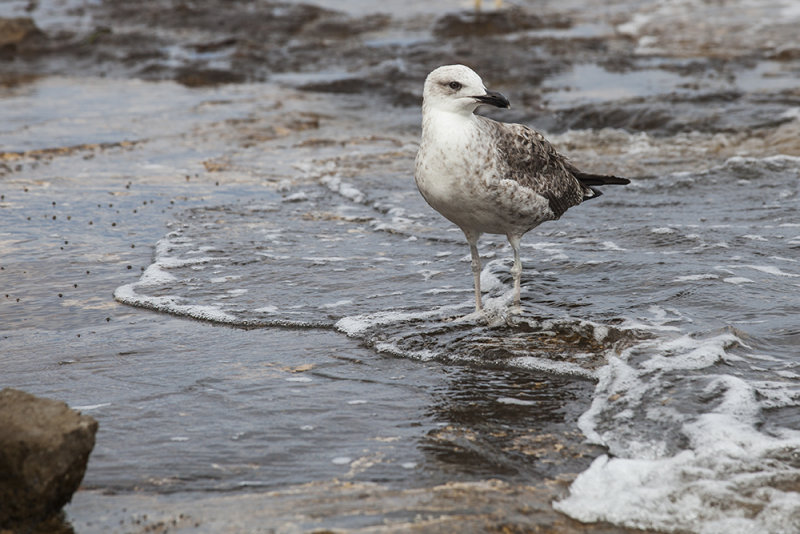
589	180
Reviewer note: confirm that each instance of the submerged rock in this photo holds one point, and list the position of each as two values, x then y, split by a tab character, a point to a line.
479	24
199	77
44	449
15	30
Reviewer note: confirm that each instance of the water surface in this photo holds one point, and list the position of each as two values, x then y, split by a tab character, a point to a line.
242	284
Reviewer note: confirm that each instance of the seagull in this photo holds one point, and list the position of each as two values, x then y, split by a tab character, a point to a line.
490	177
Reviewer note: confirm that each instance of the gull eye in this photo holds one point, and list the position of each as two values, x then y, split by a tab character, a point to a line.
455	86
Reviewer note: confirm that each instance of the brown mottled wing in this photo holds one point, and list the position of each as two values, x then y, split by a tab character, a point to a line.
533	162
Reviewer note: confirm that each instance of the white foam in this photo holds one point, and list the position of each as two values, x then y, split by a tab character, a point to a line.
600	332
686	352
337	304
776	394
155	275
446	290
736	280
169	262
770	269
663	230
726	476
695	277
635	24
300	196
548	247
127	294
551	366
303	379
356	325
610	245
392	348
321	260
489	280
730	480
615	379
782	258
222	279
335	184
516	402
88	407
791	113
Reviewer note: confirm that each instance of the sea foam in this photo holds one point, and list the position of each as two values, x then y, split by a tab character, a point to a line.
711	469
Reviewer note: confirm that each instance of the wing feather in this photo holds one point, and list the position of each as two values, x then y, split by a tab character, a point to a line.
530	160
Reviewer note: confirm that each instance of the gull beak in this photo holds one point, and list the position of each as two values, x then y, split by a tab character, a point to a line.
493	98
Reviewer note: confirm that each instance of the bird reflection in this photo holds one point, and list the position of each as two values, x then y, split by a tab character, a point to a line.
509	423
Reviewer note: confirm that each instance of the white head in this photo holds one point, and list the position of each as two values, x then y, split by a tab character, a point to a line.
458	89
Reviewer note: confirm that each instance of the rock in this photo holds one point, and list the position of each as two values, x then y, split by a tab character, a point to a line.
44	449
790	52
201	77
479	24
15	30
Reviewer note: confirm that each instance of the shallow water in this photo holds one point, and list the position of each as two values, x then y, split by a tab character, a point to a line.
242	284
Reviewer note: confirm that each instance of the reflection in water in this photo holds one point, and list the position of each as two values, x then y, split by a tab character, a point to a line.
511	424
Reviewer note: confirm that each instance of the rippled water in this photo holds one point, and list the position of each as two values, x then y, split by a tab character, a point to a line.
249	294
677	294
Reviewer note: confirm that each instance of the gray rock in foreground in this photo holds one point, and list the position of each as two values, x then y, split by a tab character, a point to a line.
44	449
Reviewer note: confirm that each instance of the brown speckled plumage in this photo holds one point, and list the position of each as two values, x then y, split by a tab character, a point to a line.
525	156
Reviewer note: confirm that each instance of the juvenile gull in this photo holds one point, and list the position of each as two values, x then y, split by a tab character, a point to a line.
487	176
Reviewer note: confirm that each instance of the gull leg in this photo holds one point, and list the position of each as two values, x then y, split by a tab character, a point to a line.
472	239
516	270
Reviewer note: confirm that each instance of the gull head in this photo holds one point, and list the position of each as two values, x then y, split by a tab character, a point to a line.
458	89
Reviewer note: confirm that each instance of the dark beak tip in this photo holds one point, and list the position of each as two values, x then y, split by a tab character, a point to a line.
495	99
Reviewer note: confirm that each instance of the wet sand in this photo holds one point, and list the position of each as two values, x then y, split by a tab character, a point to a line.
341	506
